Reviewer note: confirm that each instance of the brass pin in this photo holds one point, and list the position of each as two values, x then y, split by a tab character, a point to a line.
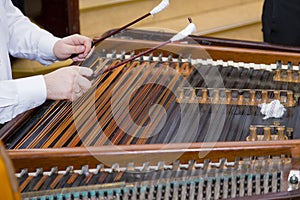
264	97
252	97
277	76
228	96
267	134
281	135
253	134
290	99
216	97
204	96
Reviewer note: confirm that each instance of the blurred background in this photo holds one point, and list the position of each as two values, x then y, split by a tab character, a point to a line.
236	19
233	19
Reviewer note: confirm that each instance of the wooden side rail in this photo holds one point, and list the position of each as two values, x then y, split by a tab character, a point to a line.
139	154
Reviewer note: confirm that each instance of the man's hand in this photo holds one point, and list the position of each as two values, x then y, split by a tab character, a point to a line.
68	83
73	45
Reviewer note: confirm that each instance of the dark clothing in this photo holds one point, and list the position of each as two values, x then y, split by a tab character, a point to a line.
281	22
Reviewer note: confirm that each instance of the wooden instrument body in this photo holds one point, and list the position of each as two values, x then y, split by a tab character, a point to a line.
138	151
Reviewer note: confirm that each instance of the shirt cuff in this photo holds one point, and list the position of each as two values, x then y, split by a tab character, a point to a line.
46	45
32	91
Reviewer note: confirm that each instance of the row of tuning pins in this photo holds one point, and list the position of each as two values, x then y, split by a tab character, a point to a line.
269	133
234	96
49	180
218	179
214	185
159	56
287	73
177	62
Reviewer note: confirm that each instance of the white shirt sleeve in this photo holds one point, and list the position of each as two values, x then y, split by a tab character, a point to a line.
31	92
21	38
26	39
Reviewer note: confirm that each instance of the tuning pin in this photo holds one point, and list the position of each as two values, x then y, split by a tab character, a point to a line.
132	53
240	98
140	59
146	167
123	55
161	165
177	67
222	163
190	58
281	135
290	133
115	167
193	96
252	97
279	64
228	96
23	173
160	57
191	165
253	133
290	72
170	58
290	65
206	165
180	58
104	52
130	167
151	57
114	54
267	134
53	171
185	69
204	96
176	165
290	99
216	97
277	76
277	95
85	170
264	98
39	171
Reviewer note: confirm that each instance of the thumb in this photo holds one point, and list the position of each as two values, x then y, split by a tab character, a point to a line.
84	71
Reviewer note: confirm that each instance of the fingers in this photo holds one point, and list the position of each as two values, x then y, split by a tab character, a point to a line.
68	83
84	71
81	83
82	52
77	46
82	45
84	84
90	53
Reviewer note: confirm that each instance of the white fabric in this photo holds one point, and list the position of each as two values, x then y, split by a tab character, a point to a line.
23	39
164	4
184	33
272	110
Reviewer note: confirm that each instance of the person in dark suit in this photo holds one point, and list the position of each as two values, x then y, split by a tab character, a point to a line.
281	22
